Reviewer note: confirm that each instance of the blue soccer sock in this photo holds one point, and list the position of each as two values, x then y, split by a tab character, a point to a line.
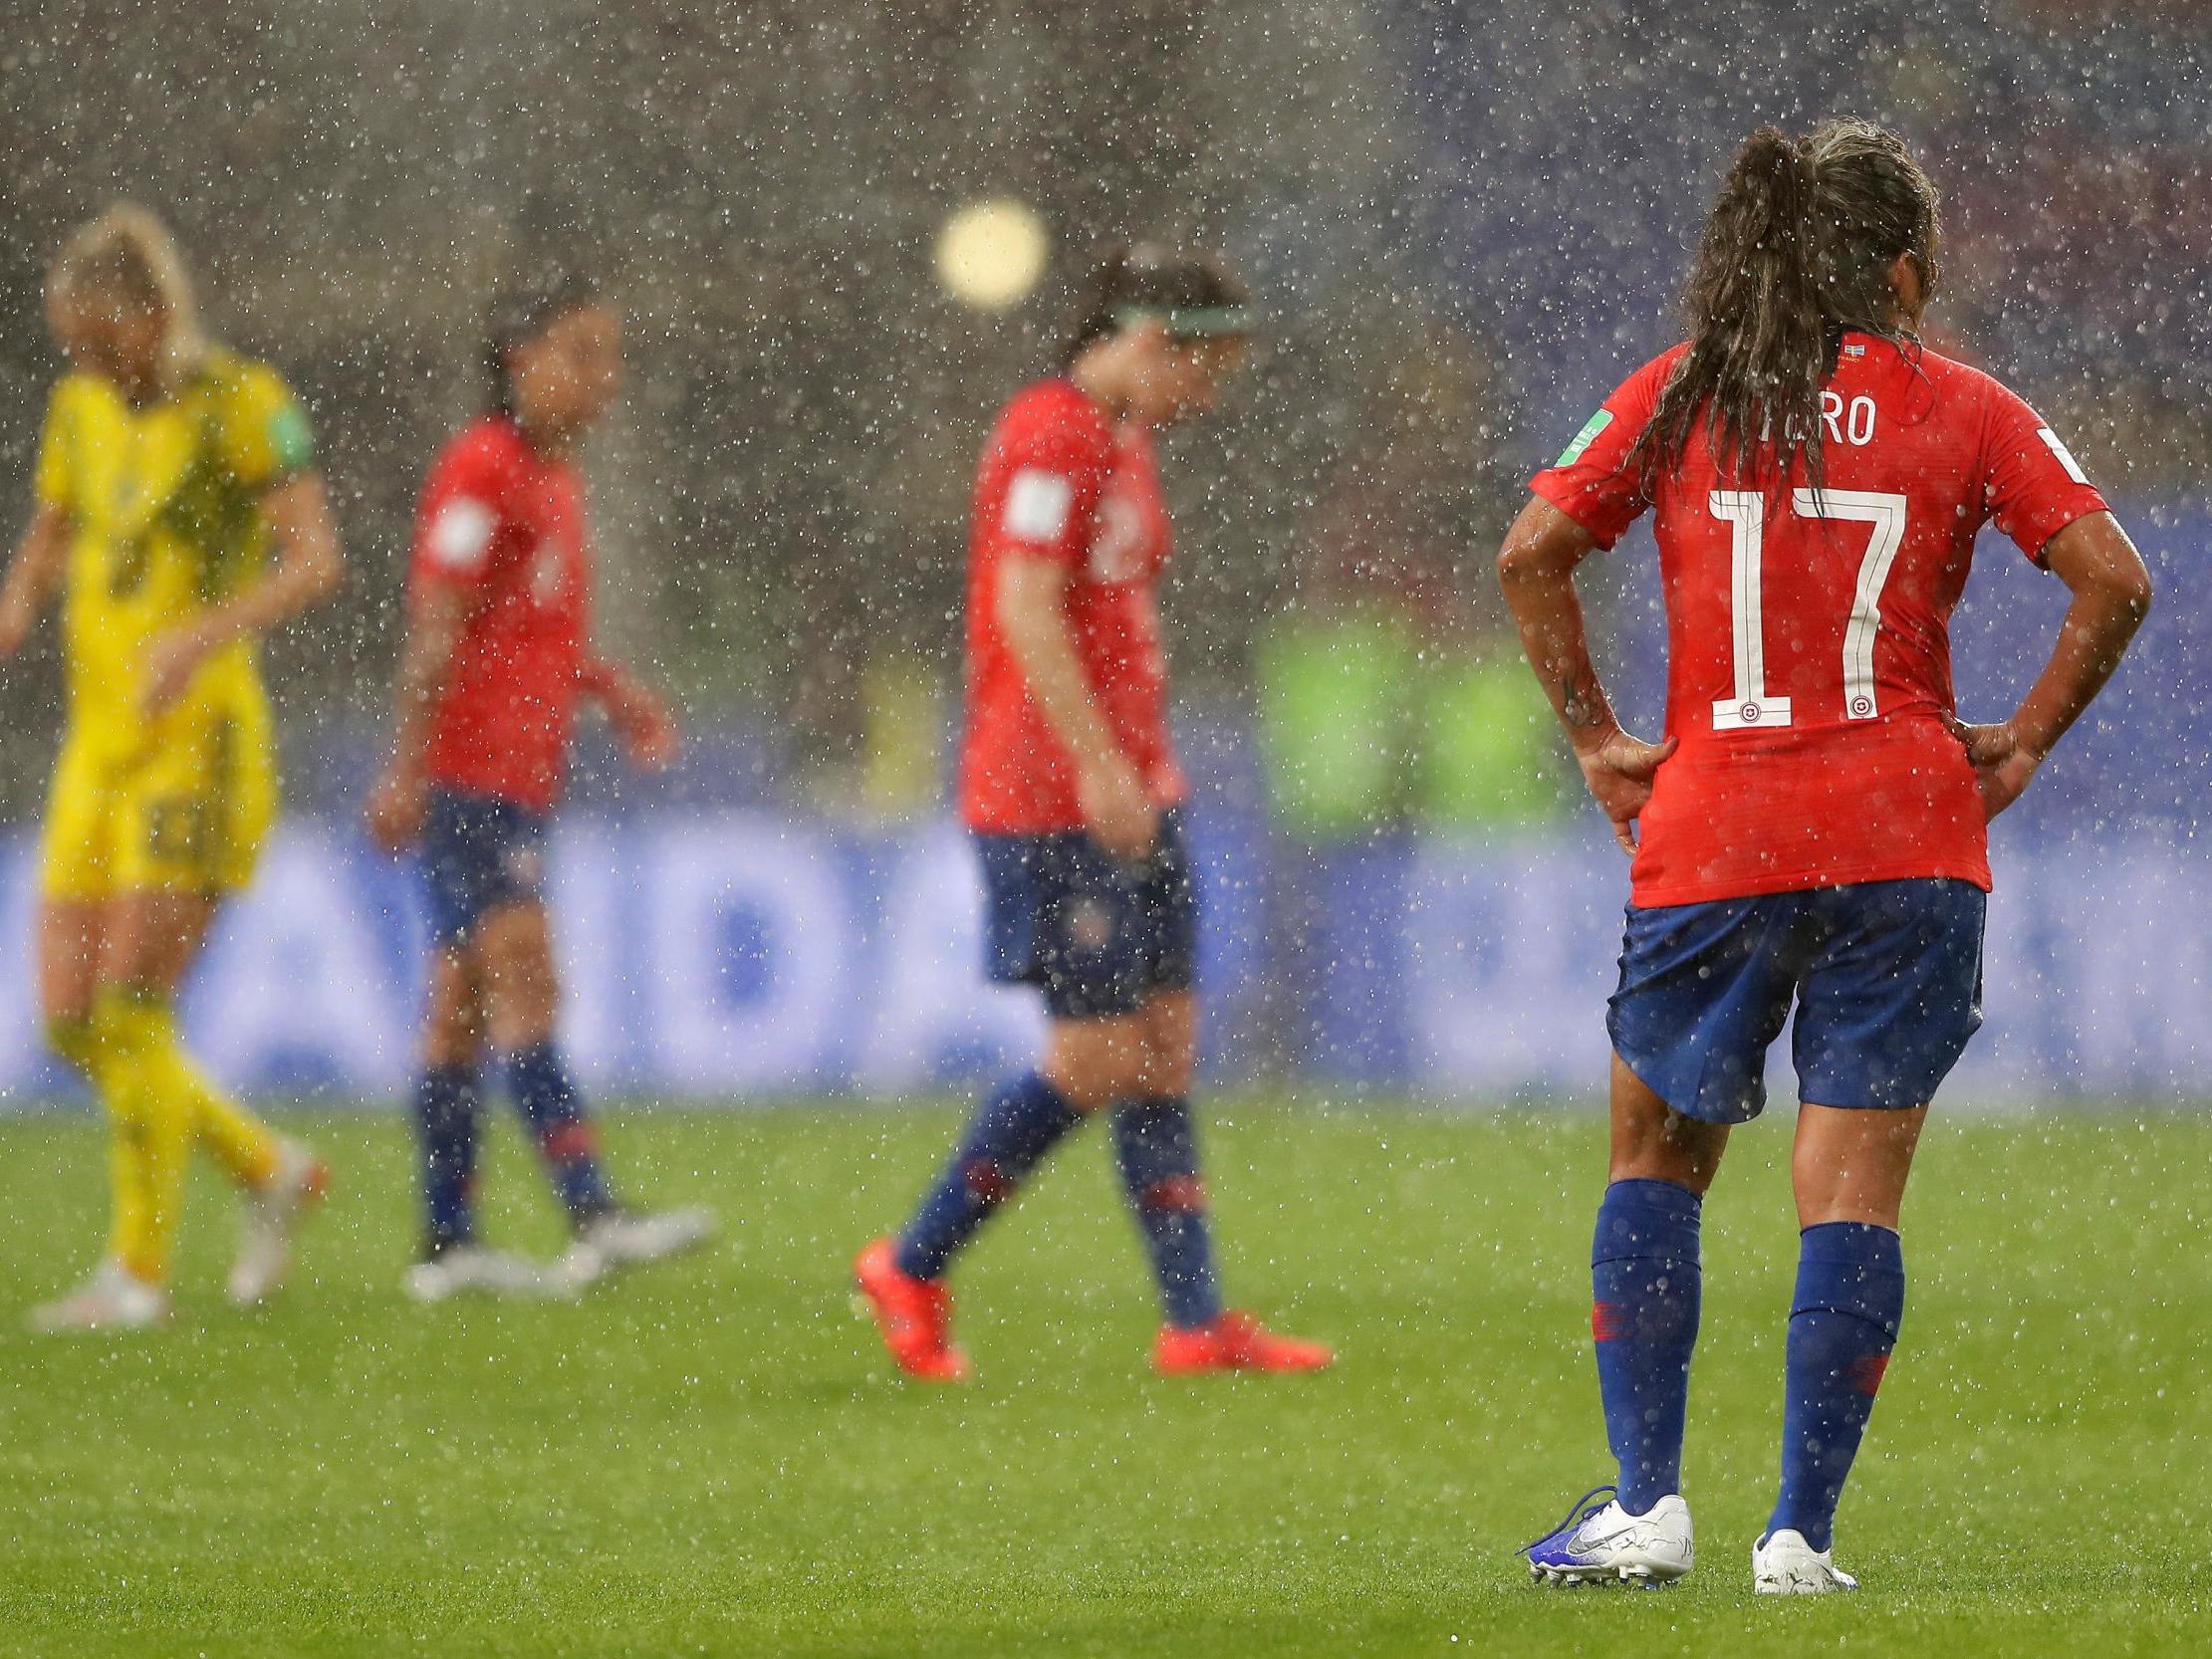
1008	1138
554	1112
1646	1288
1843	1319
1157	1145
446	1106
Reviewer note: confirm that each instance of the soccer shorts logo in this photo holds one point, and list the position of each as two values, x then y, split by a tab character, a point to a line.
525	868
1090	924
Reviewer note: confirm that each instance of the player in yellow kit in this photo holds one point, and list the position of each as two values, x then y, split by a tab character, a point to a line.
180	514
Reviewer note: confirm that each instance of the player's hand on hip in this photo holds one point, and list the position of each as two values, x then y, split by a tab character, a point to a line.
1618	769
1118	812
648	727
2003	765
397	808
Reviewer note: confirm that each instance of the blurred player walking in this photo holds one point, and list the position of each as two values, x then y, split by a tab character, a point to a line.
1813	829
498	656
1070	783
178	508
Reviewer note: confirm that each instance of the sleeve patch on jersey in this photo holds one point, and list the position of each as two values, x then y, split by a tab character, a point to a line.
460	533
1037	506
1584	438
2065	455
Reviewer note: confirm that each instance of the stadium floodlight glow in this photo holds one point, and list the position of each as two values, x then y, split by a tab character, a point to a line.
991	253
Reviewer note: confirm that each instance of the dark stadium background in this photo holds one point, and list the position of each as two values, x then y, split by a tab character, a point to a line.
1463	221
1463	224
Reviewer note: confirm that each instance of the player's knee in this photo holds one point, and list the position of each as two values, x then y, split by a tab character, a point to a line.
1086	1086
75	1038
453	1028
1092	1071
522	1021
1688	1157
521	988
1170	1067
127	1020
449	1044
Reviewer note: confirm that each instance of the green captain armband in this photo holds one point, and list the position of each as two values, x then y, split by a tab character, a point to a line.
1584	438
291	444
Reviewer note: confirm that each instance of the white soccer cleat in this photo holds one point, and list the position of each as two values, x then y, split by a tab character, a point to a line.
466	1270
1604	1543
625	1239
113	1298
1783	1563
269	1217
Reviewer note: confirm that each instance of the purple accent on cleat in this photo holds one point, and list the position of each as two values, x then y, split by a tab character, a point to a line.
1554	1549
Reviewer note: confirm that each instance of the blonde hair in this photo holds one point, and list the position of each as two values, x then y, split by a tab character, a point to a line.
126	253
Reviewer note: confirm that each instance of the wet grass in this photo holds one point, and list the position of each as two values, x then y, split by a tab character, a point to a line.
713	1460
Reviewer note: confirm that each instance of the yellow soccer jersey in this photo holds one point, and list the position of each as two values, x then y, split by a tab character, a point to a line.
164	508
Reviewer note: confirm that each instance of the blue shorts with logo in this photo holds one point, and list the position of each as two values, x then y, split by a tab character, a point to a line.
478	853
1886	977
1098	936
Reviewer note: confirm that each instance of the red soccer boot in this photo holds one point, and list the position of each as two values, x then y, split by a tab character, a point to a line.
1235	1342
914	1315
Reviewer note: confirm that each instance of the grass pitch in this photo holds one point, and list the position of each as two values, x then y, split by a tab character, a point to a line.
713	1458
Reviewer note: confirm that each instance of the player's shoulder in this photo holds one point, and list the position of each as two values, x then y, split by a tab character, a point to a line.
263	430
79	392
234	387
483	455
1956	386
1948	374
1650	377
1945	394
231	373
1053	415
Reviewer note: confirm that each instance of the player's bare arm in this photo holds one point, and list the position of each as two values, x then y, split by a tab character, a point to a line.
1536	567
34	575
2112	597
308	569
396	804
639	714
1031	613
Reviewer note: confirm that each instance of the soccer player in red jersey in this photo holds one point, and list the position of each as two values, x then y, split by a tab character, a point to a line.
1070	783
1812	828
498	656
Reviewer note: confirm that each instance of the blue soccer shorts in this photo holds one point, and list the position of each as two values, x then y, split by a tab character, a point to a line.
1886	977
480	853
1098	936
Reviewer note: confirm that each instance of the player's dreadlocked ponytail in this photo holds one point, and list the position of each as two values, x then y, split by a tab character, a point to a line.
1192	292
1797	249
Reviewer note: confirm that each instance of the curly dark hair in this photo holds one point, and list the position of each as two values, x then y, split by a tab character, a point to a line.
1797	249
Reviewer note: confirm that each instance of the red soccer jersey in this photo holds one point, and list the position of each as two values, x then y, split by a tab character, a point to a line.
1061	481
1808	652
504	525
